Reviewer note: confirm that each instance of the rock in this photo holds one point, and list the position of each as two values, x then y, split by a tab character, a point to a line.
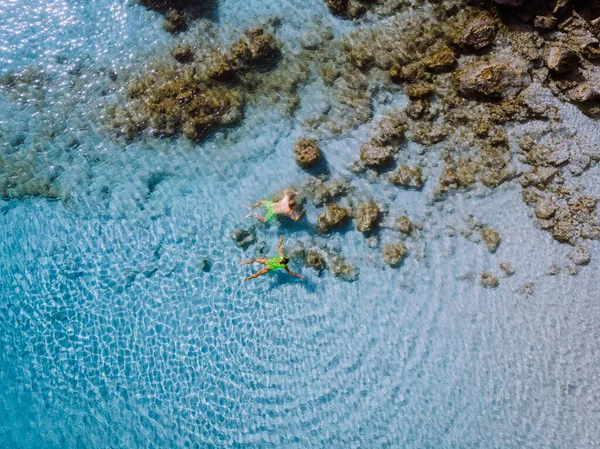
368	216
311	41
372	241
563	231
488	280
419	89
220	69
441	61
174	22
573	270
507	268
409	73
527	289
339	267
205	264
334	217
315	260
554	269
479	32
416	109
580	255
182	54
306	153
390	131
243	237
545	23
407	177
374	155
488	78
545	208
394	253
403	224
538	176
491	238
337	7
262	45
560	59
583	93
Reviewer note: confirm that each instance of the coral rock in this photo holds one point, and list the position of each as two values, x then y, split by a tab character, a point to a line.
507	268
479	32
174	22
368	216
403	224
334	216
545	208
182	54
440	61
563	231
394	253
408	177
374	155
306	153
243	237
580	255
491	238
488	78
488	280
418	90
560	59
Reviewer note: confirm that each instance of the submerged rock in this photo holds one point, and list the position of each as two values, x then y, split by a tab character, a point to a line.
507	268
407	177
243	237
491	238
488	78
580	255
563	231
442	60
334	217
488	280
560	59
403	224
394	253
182	54
545	208
174	22
306	153
375	155
339	267
367	216
527	289
418	90
479	32
315	260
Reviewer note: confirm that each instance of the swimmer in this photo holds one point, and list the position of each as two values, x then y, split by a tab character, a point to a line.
285	206
271	264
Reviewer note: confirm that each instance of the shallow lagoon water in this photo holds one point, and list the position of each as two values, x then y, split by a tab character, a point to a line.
113	335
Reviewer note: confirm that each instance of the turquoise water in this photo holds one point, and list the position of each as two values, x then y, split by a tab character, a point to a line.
114	335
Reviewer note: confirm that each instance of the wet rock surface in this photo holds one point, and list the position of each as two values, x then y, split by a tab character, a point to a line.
488	78
367	216
306	153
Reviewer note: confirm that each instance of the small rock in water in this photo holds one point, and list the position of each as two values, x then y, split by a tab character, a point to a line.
368	216
580	255
205	264
174	22
573	270
545	208
334	217
407	177
491	238
441	61
488	280
403	224
479	32
394	253
563	231
306	153
527	289
560	59
182	54
375	155
342	269
243	237
507	268
372	241
554	269
315	260
488	78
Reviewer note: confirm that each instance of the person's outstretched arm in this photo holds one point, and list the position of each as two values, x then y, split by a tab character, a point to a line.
279	246
291	273
299	216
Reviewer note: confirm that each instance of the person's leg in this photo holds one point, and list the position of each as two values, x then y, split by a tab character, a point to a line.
261	219
258	273
246	262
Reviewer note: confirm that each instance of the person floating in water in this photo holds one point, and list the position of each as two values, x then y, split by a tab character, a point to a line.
285	206
274	263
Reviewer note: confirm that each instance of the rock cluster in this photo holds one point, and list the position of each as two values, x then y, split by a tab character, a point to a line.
306	153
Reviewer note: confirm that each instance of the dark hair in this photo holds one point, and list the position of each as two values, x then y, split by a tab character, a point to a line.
292	203
285	260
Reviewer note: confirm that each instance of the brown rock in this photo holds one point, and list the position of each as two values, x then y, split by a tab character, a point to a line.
374	155
174	22
182	54
394	253
368	216
545	208
563	231
334	217
488	78
545	22
441	61
306	153
479	32
560	59
407	177
418	90
403	224
491	238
